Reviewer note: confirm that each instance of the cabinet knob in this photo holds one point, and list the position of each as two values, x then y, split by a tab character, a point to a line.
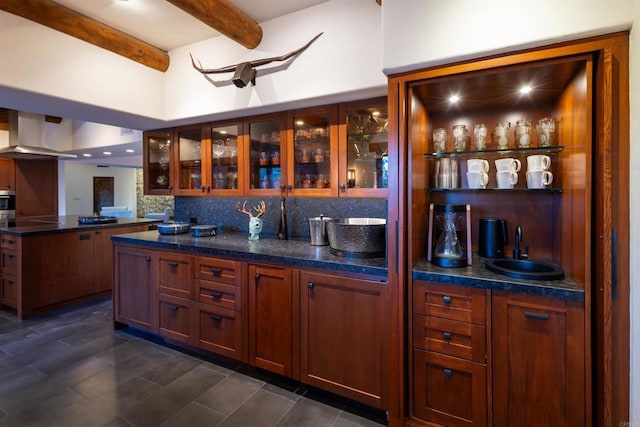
446	299
446	336
343	187
289	187
310	285
172	264
283	187
203	188
215	318
148	259
447	372
208	188
257	276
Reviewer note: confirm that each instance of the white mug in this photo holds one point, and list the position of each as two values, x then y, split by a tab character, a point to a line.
508	165
539	179
506	179
477	179
477	165
539	162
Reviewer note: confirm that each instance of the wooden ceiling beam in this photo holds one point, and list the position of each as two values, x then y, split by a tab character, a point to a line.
225	18
68	21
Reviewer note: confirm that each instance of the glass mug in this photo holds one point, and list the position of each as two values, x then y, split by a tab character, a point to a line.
502	135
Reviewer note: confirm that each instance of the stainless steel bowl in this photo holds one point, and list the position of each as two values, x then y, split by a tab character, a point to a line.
203	230
357	237
173	227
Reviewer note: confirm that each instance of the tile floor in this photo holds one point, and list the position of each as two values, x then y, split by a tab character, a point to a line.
70	368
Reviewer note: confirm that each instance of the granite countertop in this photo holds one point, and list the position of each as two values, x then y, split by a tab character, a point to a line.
61	224
298	253
478	276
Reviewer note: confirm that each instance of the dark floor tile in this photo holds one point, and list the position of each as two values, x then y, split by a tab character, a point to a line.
194	415
261	409
125	351
36	341
39	412
230	393
170	369
309	413
161	405
348	419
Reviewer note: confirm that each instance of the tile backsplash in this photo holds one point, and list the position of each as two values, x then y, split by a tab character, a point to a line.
221	211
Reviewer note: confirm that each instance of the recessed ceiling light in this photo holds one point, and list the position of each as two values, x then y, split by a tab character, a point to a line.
106	153
86	155
454	98
130	150
525	89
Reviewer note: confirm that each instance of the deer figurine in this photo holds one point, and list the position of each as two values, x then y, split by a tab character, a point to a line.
255	222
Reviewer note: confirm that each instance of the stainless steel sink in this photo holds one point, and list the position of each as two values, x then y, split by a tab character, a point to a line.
525	269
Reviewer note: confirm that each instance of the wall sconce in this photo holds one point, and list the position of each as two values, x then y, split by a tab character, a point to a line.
351	178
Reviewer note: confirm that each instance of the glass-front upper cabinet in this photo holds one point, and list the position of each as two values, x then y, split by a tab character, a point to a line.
314	152
157	160
267	154
226	172
189	154
364	166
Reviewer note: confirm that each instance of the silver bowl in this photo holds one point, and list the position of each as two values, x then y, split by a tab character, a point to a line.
173	227
357	237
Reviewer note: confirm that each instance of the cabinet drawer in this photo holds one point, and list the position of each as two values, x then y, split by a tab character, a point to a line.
9	262
175	318
175	275
448	390
450	302
9	291
219	294
220	331
8	241
460	339
218	270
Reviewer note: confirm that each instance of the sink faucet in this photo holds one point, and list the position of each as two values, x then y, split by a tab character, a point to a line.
516	250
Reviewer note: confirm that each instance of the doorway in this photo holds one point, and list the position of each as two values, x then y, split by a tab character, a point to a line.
102	193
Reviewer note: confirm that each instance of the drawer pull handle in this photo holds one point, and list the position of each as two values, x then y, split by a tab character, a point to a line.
448	373
257	276
216	295
446	336
215	318
172	264
172	307
216	271
539	316
310	285
446	299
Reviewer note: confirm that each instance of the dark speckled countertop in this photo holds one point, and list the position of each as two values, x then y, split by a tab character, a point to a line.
478	276
61	224
298	253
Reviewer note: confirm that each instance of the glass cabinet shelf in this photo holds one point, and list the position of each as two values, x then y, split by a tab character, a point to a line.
493	152
493	190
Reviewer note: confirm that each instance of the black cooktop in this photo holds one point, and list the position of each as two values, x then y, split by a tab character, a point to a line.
97	219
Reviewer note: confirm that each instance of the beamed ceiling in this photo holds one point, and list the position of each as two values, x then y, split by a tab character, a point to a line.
127	27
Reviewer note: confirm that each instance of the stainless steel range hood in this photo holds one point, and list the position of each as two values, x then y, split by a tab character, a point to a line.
27	138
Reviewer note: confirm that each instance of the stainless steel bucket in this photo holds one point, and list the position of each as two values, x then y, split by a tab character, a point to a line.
318	230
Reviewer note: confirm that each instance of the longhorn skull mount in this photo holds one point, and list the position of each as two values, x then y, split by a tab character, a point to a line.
245	72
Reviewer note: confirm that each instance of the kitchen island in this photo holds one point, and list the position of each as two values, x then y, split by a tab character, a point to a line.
53	261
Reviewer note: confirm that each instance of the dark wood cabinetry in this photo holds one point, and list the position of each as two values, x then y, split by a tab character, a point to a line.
450	354
7	174
271	319
134	297
575	224
538	361
342	347
36	187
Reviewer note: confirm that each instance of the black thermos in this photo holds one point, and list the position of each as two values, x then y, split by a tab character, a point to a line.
283	233
492	236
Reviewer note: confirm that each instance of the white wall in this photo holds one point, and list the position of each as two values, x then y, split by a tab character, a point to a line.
78	188
418	33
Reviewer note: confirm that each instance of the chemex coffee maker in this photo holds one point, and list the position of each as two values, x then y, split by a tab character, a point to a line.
449	240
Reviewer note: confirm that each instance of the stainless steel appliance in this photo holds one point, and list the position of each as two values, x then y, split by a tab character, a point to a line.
7	205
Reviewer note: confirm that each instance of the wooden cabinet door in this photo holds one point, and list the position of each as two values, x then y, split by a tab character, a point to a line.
538	362
270	319
342	336
103	275
158	162
36	187
134	295
7	174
